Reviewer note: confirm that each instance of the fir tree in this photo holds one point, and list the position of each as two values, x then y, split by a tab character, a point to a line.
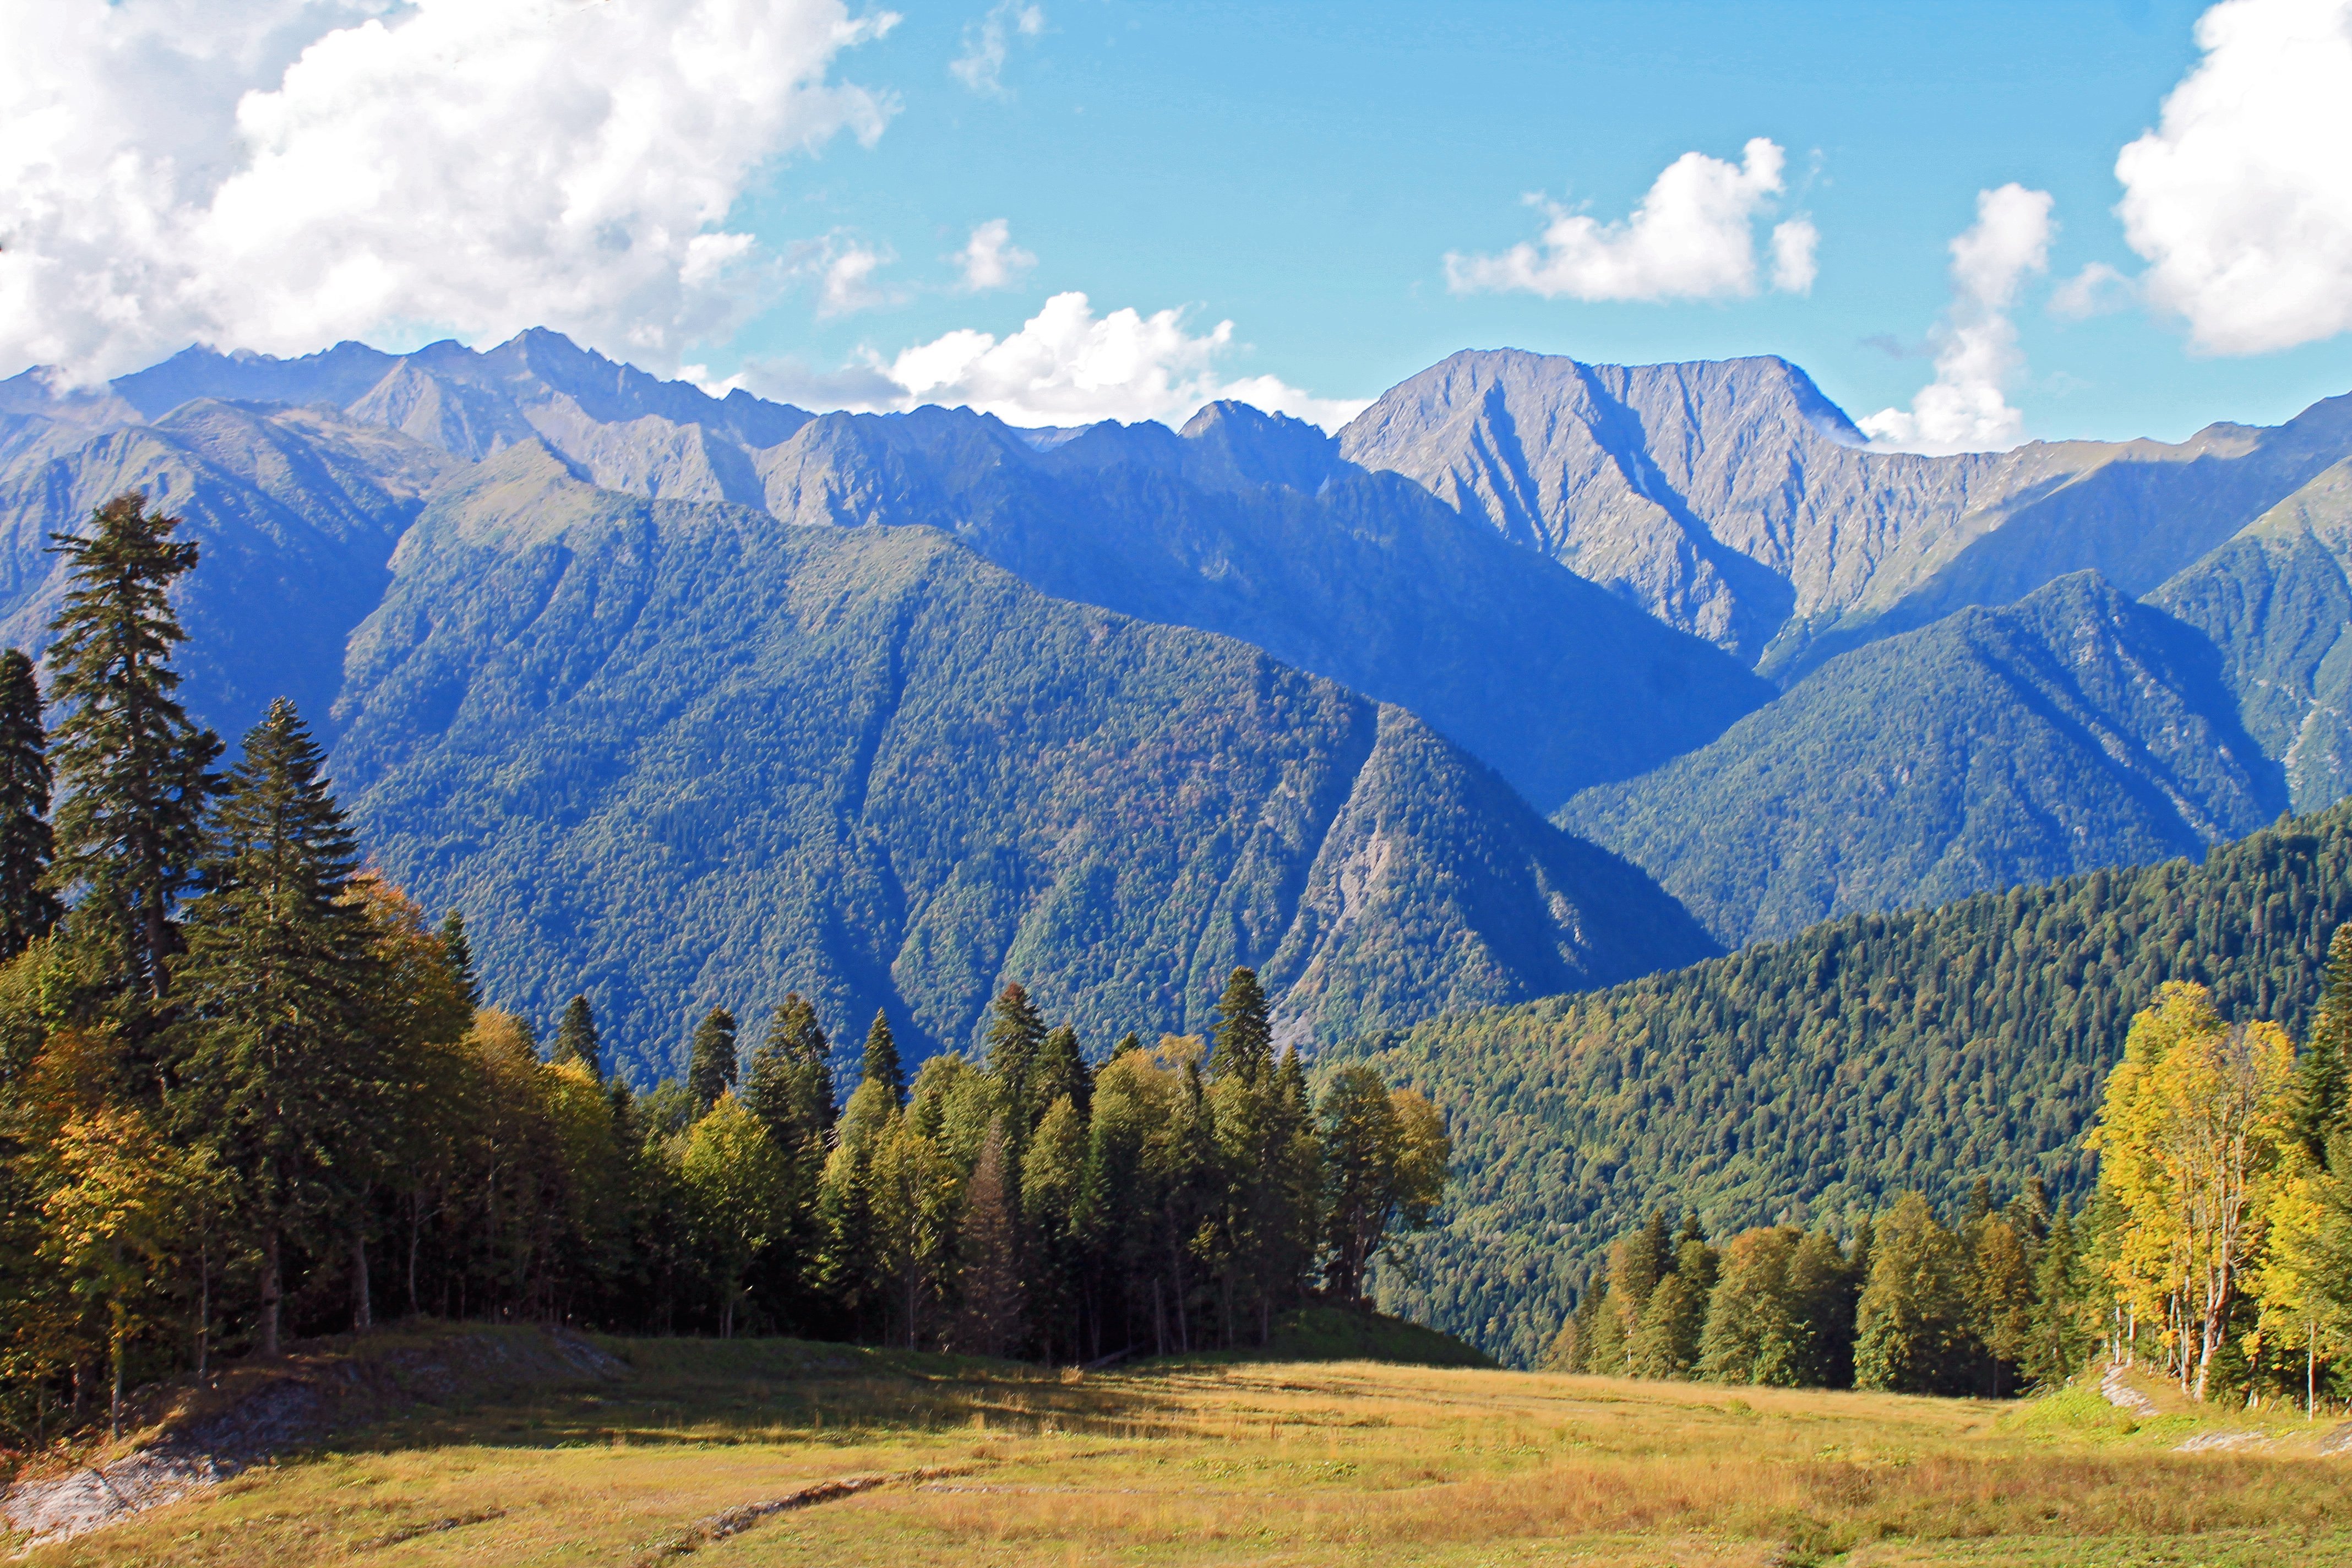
27	909
711	1071
459	955
1017	1035
788	1085
575	1037
991	1281
130	832
284	1069
2323	1078
1245	1038
881	1064
1062	1072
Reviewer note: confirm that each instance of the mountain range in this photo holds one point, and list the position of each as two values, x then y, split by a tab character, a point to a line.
687	699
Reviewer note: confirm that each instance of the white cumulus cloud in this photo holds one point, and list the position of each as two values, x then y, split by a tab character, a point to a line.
1966	408
1691	237
279	173
2096	290
989	259
2241	200
1067	365
981	67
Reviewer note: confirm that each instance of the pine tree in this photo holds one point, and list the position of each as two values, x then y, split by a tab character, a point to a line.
575	1037
710	1071
28	908
1062	1071
130	832
2058	1341
1016	1037
284	1072
881	1064
992	1306
788	1084
1245	1036
2323	1078
460	957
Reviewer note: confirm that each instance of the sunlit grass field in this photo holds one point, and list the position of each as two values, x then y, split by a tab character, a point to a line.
1225	1462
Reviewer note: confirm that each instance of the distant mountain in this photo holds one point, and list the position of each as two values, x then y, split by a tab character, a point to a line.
2073	728
1812	1080
296	512
1248	524
1732	500
2275	602
675	756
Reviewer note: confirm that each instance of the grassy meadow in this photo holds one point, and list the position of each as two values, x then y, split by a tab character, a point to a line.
1222	1461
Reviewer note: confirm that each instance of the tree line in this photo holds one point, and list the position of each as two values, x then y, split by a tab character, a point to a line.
2216	1246
249	1090
1816	1077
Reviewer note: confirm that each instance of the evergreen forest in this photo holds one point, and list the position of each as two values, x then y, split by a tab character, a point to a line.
249	1090
1811	1080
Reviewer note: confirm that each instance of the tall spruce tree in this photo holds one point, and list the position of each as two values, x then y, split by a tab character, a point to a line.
460	953
1244	1036
1016	1038
284	1072
575	1037
1062	1072
2323	1078
130	831
881	1064
28	908
710	1071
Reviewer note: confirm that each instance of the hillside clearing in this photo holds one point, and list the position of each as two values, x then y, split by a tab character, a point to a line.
784	1452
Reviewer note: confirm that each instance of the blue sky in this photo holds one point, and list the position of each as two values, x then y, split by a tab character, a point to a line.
1303	170
775	194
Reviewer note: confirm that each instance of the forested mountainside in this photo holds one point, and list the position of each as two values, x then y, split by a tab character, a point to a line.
1731	499
296	510
674	756
2274	602
2071	730
1248	524
1864	1057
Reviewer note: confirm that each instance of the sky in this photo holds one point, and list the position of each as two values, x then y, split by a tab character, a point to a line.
1973	223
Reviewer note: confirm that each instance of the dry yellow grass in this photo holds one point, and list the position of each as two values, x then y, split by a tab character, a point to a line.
1348	1463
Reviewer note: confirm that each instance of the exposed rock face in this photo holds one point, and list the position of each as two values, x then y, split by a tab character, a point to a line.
1731	499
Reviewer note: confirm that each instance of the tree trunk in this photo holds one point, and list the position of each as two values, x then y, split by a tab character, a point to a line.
114	1400
363	1306
272	1290
204	1302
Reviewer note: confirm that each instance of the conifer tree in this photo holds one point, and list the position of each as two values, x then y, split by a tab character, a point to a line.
1823	1286
28	908
2323	1078
461	958
284	1069
710	1071
575	1037
881	1064
1016	1037
1244	1036
130	832
1052	1174
1062	1071
992	1323
788	1084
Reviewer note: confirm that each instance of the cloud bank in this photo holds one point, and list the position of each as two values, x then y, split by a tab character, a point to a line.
2241	200
279	173
1966	408
1067	365
1691	237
